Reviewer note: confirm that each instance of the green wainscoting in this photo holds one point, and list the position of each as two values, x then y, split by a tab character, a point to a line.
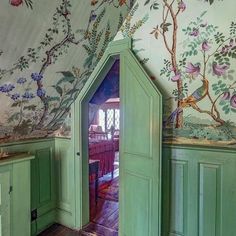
5	201
198	187
64	161
199	191
43	197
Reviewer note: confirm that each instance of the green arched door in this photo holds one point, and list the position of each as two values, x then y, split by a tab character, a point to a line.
140	151
140	148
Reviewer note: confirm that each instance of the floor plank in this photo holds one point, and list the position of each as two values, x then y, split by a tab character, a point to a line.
104	218
106	212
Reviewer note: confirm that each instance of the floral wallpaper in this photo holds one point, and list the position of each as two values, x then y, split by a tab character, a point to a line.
189	49
48	49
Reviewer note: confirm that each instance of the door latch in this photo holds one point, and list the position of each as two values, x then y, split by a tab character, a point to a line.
10	189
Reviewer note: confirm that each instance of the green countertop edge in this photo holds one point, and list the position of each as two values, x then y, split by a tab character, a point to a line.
16	158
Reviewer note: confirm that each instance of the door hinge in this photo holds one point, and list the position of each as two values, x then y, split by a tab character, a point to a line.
34	214
10	189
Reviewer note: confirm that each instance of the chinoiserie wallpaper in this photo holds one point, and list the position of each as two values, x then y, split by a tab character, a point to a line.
189	49
48	49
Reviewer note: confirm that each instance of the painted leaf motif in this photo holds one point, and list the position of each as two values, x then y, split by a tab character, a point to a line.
165	26
211	1
67	101
51	99
148	1
66	73
14	117
155	32
69	79
154	6
24	128
58	89
55	110
30	108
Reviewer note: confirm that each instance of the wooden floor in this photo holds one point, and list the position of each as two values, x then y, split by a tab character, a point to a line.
104	219
106	213
90	230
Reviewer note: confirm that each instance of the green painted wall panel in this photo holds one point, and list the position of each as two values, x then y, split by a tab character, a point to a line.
64	170
178	196
45	175
203	195
209	188
5	215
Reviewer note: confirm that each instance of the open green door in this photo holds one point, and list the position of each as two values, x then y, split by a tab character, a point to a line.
140	151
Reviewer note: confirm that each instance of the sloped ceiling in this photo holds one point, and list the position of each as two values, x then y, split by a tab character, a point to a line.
48	49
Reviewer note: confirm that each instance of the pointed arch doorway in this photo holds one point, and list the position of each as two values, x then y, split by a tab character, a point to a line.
140	144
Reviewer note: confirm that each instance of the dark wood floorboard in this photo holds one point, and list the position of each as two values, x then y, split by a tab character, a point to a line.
104	218
59	230
106	212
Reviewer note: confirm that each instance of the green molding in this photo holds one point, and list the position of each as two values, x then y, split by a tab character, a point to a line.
227	149
28	141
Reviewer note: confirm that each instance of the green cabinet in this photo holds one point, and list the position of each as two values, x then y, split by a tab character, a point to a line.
42	180
15	195
4	202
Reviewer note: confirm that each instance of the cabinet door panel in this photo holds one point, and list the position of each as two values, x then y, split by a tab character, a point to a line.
4	203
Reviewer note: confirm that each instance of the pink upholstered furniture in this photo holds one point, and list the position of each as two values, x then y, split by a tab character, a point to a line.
103	150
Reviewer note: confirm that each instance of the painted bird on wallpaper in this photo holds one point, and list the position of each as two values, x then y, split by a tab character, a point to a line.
191	101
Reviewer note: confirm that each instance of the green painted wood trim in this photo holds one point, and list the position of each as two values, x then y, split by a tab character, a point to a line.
81	197
23	142
65	208
16	158
228	149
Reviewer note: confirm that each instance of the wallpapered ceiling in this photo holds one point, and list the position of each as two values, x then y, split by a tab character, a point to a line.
189	49
48	49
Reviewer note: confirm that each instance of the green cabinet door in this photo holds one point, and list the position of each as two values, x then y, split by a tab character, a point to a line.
140	151
5	203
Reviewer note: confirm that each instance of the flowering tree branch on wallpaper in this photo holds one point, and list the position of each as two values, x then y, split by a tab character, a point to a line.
50	115
217	50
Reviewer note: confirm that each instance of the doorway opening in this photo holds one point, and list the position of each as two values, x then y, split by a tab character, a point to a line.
103	155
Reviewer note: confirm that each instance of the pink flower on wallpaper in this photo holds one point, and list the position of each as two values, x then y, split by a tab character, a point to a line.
233	101
205	46
226	96
193	69
182	6
195	32
176	77
219	69
16	3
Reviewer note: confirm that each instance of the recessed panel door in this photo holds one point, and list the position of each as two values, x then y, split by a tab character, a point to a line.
140	155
